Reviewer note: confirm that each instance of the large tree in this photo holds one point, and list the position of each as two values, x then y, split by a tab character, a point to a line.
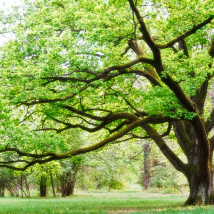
131	68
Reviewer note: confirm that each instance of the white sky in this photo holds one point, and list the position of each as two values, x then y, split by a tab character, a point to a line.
6	5
9	2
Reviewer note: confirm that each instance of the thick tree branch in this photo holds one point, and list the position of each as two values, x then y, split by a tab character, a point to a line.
121	125
204	145
147	74
80	71
178	91
184	99
22	154
133	136
127	65
53	156
66	79
169	154
138	49
200	97
28	165
183	46
99	76
148	39
182	137
115	116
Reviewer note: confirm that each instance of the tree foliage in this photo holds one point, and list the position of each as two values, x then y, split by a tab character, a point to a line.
127	69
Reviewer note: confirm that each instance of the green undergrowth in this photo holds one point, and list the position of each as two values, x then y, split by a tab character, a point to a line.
97	203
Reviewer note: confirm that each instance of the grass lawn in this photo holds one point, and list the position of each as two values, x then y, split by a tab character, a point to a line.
127	202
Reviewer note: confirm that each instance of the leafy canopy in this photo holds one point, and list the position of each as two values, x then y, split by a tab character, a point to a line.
103	65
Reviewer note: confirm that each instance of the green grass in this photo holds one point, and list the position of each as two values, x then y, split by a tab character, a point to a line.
126	202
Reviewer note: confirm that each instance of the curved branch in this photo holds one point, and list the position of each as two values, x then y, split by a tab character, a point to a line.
40	101
127	65
15	161
121	125
28	165
148	39
65	79
70	153
99	76
169	154
188	33
97	128
82	71
182	137
22	154
147	137
147	75
136	122
114	116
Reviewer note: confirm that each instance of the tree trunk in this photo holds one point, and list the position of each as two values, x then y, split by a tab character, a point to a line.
43	186
21	184
68	189
147	167
200	179
2	188
27	184
193	140
201	191
110	185
200	185
52	183
68	181
68	186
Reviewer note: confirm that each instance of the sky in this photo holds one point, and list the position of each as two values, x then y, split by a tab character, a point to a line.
9	2
6	5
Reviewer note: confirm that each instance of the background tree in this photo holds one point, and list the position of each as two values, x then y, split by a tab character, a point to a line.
68	175
122	67
147	165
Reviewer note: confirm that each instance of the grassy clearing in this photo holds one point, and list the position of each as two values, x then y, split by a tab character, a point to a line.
127	202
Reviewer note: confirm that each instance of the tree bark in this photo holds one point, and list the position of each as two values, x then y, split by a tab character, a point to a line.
193	140
52	183
2	188
200	179
201	191
68	181
27	186
147	166
21	183
43	186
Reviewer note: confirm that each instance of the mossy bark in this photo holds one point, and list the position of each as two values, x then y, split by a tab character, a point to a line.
199	175
200	180
201	191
